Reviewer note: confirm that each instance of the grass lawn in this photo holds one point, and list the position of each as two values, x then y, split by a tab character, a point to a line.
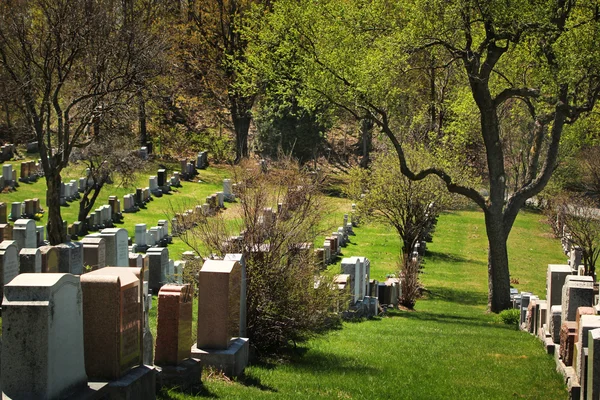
449	348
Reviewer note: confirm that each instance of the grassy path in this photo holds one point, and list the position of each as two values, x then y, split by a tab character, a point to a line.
450	348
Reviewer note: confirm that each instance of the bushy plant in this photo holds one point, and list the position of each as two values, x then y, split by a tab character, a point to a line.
511	316
409	278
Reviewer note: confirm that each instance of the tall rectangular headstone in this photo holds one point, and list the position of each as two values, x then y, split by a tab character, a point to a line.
94	252
9	262
158	267
42	337
243	289
117	247
174	324
112	320
555	279
218	303
24	233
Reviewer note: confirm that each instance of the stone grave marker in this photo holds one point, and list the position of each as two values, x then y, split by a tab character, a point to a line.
42	337
50	259
16	210
9	262
158	258
577	291
30	261
117	247
24	233
238	257
70	257
112	321
219	284
94	252
6	232
174	325
593	367
3	216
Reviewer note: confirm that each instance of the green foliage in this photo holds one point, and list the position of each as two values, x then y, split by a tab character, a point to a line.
285	126
510	317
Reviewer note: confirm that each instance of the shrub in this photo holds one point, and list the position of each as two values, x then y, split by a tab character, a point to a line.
510	317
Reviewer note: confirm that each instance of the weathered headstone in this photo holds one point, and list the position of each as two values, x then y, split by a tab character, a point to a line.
70	257
112	322
174	324
42	337
94	252
24	233
593	368
243	289
9	262
30	261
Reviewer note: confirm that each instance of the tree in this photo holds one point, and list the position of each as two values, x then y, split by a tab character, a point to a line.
73	62
366	56
107	164
410	207
213	52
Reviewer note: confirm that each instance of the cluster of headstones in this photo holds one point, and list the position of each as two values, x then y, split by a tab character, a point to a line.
132	202
188	167
332	246
30	171
159	184
102	217
69	191
156	236
189	218
22	209
104	315
568	323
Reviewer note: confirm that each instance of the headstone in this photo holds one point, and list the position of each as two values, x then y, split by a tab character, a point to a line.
578	291
9	262
136	260
94	252
15	210
42	337
117	247
50	259
227	190
158	267
593	369
218	303
24	233
174	324
30	261
352	266
243	289
6	232
3	218
70	257
567	341
140	235
112	316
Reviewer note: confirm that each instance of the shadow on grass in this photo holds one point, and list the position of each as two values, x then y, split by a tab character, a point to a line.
335	364
459	320
252	381
197	391
460	296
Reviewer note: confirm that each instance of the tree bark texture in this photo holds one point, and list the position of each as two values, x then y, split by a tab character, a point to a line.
55	224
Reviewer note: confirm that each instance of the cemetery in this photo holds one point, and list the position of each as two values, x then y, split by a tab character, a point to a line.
119	280
299	199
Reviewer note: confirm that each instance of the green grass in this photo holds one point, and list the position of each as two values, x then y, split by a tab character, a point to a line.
449	348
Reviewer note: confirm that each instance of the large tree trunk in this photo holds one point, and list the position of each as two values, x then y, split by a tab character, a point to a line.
366	134
54	227
143	133
498	271
242	126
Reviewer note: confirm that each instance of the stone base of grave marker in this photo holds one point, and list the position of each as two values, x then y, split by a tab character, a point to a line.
231	361
184	376
139	383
